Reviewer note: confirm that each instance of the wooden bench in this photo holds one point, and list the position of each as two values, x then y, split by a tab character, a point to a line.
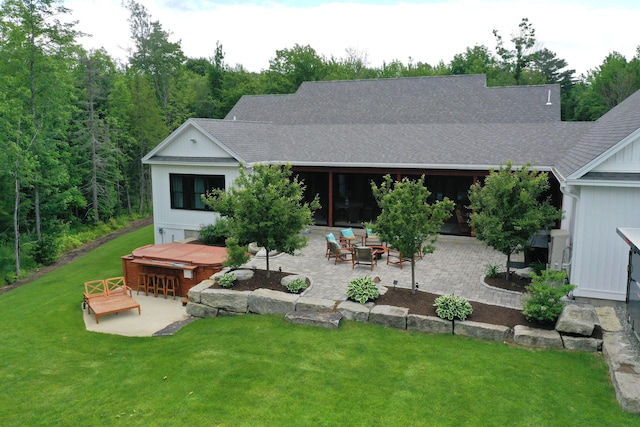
108	296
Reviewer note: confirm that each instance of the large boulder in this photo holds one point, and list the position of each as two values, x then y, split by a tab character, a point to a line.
354	310
201	310
314	318
532	337
315	304
433	324
388	315
266	301
576	319
226	299
483	331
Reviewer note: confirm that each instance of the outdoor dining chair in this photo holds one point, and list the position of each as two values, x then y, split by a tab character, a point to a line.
341	254
363	255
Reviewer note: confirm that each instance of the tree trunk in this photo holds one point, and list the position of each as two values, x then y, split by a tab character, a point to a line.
509	266
36	205
16	223
413	274
267	259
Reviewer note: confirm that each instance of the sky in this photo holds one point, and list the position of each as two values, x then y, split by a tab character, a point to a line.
582	32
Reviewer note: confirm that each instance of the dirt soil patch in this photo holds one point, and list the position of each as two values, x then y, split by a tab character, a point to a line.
515	283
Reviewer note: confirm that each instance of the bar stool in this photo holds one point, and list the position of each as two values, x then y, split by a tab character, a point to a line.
161	284
143	283
171	286
151	284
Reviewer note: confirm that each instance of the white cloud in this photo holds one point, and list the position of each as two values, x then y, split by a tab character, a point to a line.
580	32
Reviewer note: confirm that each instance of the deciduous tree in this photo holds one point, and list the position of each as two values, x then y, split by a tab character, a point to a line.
266	206
510	207
408	222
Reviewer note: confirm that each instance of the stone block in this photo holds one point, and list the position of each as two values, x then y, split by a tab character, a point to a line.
314	318
388	315
195	291
627	387
479	330
315	304
432	324
620	353
576	319
226	299
608	319
200	310
267	301
532	337
581	343
354	310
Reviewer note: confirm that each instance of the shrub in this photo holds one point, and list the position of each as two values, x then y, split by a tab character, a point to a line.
296	285
215	233
452	306
492	270
543	302
538	267
46	250
362	290
227	280
236	254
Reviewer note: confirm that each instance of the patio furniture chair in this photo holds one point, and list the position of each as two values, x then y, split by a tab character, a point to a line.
331	238
363	255
370	238
394	257
349	237
341	254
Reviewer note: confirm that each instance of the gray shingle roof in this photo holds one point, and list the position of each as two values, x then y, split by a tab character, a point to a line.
411	145
606	132
443	122
442	99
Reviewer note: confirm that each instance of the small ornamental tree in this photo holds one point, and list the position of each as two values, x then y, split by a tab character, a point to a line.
509	208
408	221
266	206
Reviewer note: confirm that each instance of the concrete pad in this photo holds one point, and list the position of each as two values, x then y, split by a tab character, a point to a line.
155	315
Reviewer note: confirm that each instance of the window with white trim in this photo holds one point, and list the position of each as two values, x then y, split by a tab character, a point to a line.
186	190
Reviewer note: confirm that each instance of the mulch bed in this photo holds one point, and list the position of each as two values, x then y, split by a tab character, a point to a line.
419	303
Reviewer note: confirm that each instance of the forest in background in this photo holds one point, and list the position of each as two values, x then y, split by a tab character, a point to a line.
74	124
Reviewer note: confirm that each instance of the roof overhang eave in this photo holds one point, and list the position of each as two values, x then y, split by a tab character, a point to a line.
602	183
433	166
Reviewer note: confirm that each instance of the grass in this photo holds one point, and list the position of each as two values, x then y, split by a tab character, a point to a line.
262	371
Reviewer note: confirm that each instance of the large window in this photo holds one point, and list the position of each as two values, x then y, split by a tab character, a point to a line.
187	189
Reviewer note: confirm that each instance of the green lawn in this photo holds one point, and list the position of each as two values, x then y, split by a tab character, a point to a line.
262	371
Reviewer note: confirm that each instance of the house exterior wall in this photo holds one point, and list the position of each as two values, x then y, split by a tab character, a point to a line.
599	264
178	224
183	145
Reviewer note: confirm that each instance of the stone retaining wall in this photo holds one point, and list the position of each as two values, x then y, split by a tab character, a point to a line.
205	301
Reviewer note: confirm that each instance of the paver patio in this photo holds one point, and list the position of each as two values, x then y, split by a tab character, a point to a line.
457	266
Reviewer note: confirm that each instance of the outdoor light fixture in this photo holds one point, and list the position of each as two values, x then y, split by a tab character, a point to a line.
395	282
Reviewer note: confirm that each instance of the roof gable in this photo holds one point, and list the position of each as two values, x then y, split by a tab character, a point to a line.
609	135
190	142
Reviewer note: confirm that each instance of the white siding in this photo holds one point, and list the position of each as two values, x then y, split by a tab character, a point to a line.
174	222
625	160
183	145
599	265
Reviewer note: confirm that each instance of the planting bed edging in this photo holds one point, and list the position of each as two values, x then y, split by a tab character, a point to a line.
207	302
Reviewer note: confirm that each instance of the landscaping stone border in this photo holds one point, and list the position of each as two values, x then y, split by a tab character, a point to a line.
205	301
